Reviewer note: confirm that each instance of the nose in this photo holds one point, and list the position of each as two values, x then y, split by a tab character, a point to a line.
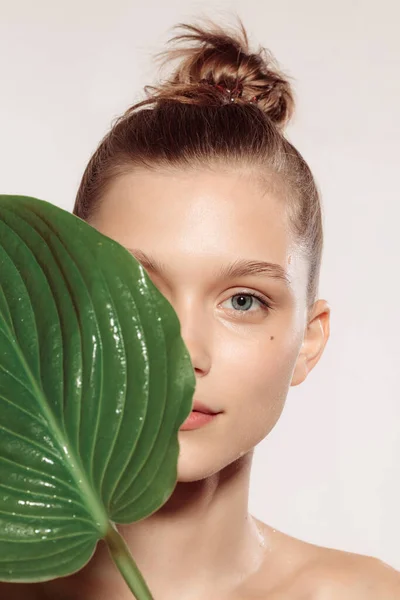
196	333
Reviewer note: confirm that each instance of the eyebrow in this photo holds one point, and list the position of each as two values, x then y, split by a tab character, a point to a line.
239	268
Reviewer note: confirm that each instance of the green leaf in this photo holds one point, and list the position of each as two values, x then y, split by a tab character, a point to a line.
95	382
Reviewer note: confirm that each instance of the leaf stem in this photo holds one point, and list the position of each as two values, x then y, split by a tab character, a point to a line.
123	559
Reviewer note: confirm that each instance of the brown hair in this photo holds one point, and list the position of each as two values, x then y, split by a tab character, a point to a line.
193	123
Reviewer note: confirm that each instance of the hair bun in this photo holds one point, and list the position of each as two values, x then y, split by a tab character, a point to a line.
220	61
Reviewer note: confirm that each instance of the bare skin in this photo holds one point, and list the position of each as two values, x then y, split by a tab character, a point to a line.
203	544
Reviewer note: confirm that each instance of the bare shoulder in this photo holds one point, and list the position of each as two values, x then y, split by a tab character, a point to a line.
342	575
307	571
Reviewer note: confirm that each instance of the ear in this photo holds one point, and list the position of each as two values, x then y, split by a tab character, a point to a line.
314	342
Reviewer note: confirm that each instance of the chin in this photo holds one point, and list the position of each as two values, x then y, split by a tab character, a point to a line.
190	477
190	470
202	458
199	457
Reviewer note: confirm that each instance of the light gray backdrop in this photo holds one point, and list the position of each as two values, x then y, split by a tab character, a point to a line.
328	473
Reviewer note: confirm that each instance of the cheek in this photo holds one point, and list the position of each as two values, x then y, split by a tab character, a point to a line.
259	380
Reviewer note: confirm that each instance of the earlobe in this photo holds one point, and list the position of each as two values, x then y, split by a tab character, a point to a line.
314	342
301	371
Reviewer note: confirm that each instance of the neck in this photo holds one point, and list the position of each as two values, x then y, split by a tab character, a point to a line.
202	539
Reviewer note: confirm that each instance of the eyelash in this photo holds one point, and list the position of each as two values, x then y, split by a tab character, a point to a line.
265	305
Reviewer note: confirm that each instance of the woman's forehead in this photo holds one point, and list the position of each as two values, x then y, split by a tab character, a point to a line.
180	225
204	209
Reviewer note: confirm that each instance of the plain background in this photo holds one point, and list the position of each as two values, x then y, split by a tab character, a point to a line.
328	472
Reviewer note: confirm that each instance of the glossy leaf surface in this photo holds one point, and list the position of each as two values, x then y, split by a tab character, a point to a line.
95	381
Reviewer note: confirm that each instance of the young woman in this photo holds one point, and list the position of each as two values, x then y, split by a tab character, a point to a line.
200	184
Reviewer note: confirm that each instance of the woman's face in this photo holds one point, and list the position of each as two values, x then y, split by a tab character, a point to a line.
244	354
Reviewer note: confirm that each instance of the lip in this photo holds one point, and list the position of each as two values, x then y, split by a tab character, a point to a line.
200	415
197	419
202	408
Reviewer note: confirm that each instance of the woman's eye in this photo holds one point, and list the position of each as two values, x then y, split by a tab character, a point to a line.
243	303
